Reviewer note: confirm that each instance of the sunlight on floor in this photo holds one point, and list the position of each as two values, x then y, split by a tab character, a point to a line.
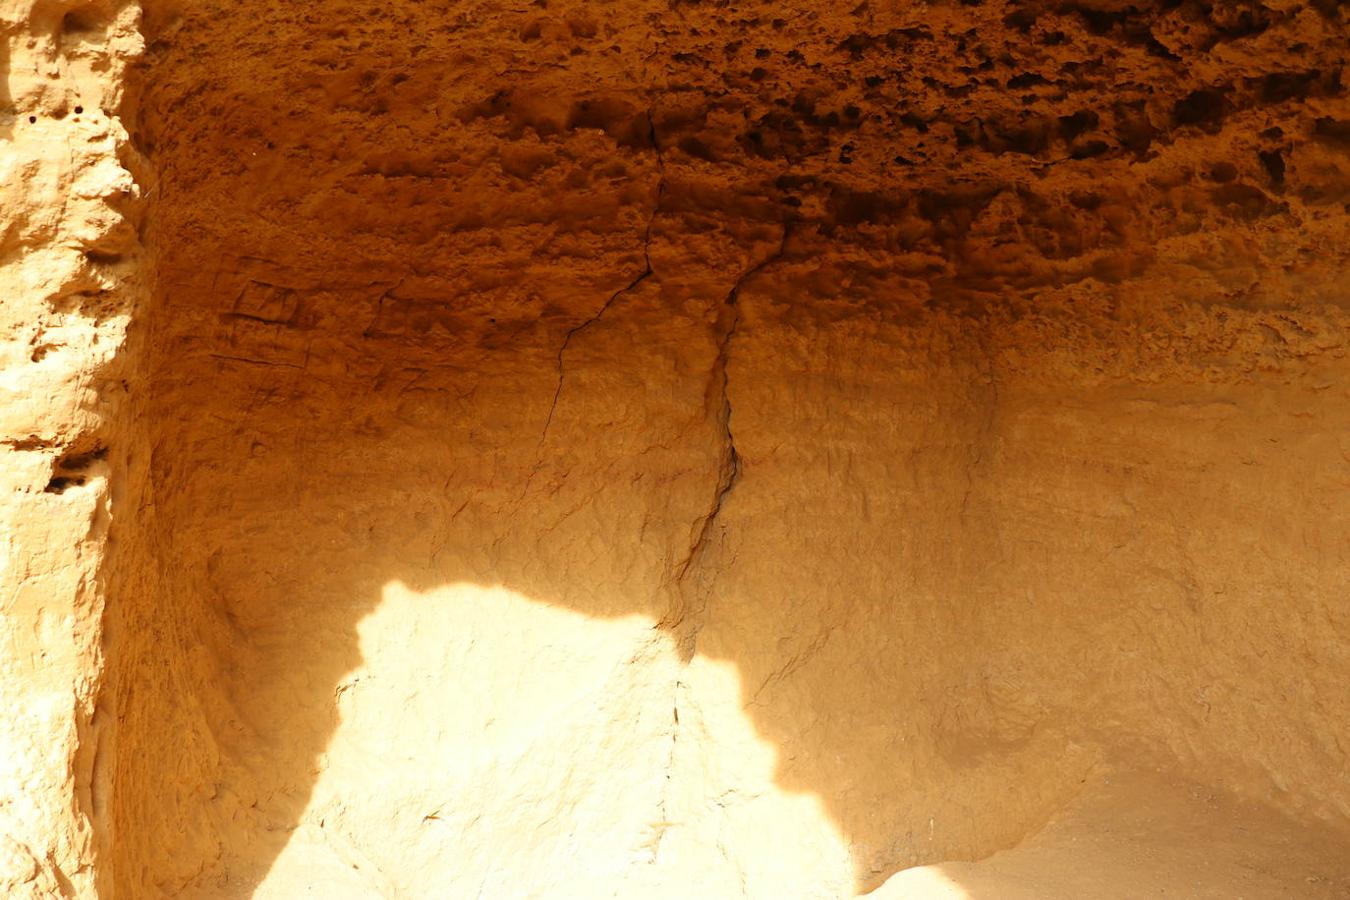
923	883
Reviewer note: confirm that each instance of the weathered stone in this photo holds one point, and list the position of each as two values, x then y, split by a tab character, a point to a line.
674	449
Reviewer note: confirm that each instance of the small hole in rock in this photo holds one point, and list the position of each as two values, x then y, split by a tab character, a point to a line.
74	462
1273	162
78	110
59	484
32	120
79	22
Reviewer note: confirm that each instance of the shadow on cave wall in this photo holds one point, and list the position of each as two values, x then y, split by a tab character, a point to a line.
333	407
293	495
323	423
854	573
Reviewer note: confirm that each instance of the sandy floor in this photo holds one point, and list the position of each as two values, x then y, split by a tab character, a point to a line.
1130	836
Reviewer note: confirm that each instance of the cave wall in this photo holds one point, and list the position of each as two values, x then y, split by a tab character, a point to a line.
573	453
68	282
784	451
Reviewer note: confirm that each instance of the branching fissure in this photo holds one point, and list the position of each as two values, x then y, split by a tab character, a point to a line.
718	404
642	276
685	618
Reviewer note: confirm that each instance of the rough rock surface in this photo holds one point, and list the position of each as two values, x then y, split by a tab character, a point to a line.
68	272
681	448
1143	835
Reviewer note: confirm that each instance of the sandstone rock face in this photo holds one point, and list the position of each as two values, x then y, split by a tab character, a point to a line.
675	449
68	276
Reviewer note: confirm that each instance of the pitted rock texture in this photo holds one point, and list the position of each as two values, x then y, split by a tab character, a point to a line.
68	272
969	152
695	449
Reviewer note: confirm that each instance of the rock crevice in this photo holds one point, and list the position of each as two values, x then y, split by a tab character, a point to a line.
679	449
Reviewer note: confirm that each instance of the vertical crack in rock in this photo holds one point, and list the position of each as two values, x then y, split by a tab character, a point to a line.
717	403
684	620
663	806
642	276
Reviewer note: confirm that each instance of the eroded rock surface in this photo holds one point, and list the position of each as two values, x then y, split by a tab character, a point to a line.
67	278
715	450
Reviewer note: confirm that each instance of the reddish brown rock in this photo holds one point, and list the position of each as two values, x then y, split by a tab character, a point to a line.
677	449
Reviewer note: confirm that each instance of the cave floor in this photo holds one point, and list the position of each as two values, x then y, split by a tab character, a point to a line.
1146	835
